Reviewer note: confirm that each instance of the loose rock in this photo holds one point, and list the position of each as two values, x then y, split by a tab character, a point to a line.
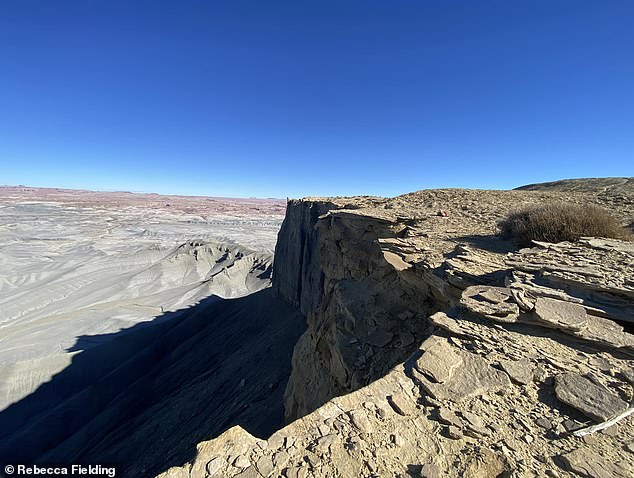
520	371
494	303
439	359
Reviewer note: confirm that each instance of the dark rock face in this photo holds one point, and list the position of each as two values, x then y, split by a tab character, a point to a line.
331	263
297	275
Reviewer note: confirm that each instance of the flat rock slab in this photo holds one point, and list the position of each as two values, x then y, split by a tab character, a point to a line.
585	463
560	315
605	332
461	328
396	261
472	376
520	371
494	303
593	400
439	360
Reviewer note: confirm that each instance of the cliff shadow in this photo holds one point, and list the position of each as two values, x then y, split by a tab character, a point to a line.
144	397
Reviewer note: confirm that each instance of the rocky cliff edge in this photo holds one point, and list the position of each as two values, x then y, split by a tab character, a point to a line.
435	348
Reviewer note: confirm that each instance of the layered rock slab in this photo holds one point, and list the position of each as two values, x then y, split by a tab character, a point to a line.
450	373
591	398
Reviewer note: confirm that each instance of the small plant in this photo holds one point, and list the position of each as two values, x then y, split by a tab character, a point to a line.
561	222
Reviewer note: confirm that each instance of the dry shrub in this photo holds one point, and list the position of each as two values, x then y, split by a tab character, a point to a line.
561	222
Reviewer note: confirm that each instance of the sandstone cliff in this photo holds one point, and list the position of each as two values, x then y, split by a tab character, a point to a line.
434	348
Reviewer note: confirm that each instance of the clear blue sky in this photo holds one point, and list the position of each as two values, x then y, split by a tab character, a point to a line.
275	98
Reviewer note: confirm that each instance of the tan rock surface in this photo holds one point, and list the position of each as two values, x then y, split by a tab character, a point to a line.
592	399
471	395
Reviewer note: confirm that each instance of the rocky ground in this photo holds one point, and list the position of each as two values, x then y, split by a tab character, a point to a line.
435	348
601	186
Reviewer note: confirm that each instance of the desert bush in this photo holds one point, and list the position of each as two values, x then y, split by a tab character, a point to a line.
560	222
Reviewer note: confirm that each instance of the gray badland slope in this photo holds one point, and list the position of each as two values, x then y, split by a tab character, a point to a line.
146	398
126	327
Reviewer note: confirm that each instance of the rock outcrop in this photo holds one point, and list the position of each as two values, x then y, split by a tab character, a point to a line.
364	313
434	348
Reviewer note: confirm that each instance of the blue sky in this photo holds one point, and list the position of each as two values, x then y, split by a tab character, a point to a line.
275	99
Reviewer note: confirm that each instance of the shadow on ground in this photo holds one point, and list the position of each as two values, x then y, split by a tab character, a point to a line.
144	397
489	242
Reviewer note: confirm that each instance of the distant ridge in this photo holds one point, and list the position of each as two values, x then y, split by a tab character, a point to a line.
613	185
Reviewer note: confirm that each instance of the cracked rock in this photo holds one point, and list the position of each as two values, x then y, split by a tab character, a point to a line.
475	376
439	360
520	371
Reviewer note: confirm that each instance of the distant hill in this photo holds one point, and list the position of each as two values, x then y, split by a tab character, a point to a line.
612	185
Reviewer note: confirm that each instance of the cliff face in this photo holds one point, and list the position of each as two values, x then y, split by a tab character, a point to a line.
299	278
434	348
366	309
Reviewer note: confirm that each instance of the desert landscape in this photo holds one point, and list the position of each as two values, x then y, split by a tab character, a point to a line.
358	239
77	263
389	337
